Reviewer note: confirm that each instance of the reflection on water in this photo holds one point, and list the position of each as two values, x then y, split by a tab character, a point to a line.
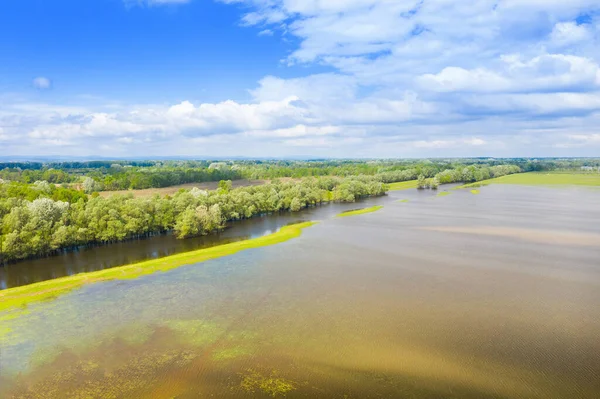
374	305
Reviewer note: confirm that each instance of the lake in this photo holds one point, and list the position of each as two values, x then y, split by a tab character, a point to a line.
494	295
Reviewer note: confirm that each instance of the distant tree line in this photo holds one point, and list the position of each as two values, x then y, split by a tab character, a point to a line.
124	175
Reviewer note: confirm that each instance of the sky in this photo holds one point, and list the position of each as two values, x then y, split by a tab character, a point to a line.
288	78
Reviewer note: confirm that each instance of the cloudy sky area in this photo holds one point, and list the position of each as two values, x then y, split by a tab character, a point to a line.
338	78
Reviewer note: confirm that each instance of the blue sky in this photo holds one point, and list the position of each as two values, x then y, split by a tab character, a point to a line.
339	78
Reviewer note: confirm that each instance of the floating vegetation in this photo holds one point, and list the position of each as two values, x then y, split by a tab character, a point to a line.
443	194
19	297
403	201
272	385
475	191
360	211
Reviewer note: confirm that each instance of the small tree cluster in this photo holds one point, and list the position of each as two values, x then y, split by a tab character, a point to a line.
431	183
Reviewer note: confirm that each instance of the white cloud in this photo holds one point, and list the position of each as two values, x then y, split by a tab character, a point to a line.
542	73
265	32
42	83
569	33
441	144
586	138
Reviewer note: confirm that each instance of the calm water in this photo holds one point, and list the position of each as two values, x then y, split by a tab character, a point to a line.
494	295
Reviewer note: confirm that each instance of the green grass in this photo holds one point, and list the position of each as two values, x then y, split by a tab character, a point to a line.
543	179
403	185
360	211
19	297
443	194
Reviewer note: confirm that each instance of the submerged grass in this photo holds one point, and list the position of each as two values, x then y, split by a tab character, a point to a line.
272	385
360	211
543	179
403	201
404	185
443	194
20	297
475	191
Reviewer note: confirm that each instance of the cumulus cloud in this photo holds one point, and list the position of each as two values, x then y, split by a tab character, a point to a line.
548	72
42	83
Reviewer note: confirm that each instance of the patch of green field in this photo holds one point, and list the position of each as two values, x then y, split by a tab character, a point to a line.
543	179
360	211
17	298
443	194
403	185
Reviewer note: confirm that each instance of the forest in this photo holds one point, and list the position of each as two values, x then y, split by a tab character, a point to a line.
39	219
46	208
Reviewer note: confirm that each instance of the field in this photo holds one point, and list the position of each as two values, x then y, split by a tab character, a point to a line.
173	189
544	179
404	185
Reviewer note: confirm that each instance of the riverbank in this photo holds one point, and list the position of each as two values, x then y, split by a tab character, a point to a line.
13	298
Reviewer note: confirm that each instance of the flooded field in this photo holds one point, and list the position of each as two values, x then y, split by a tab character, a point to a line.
494	295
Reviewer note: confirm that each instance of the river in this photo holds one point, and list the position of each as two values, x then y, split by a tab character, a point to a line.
494	295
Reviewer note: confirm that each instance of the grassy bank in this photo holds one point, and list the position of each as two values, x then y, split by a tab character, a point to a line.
21	296
360	211
543	179
403	185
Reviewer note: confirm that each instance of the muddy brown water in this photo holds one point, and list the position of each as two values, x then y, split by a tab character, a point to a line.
440	297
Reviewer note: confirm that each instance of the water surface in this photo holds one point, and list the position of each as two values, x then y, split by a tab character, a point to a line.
412	301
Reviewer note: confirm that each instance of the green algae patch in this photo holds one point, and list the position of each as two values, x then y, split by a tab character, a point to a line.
360	211
271	385
403	201
475	191
543	179
15	299
443	194
403	185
